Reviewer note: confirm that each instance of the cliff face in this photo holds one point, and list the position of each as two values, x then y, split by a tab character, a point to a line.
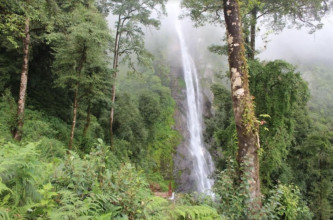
182	160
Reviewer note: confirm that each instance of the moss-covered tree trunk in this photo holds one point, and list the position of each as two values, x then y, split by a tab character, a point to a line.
246	123
24	80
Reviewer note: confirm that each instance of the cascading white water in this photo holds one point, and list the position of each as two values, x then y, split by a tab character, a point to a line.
202	162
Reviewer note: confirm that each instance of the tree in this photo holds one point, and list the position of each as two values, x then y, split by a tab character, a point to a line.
21	21
17	21
313	164
246	122
282	95
24	81
80	58
242	101
131	16
277	15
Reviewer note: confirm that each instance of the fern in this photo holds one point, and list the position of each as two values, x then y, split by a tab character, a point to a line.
71	207
155	204
20	171
4	215
161	209
195	212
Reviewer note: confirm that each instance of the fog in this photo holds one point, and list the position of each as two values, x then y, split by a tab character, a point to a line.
293	45
300	47
310	53
296	46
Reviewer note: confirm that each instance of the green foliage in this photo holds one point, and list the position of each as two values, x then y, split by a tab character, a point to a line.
71	207
41	181
285	202
220	130
39	125
7	115
144	119
194	212
132	16
231	193
38	180
294	149
313	171
159	208
96	186
149	108
86	37
20	175
282	94
130	190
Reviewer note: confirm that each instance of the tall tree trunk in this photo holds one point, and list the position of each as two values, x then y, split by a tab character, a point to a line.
253	33
87	124
115	68
75	104
24	80
76	95
246	123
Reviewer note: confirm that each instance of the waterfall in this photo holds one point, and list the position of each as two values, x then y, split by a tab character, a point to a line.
202	162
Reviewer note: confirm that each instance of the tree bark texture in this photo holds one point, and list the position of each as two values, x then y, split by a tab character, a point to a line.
24	80
76	95
75	104
246	123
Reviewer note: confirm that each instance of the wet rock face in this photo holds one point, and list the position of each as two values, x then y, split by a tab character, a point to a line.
182	161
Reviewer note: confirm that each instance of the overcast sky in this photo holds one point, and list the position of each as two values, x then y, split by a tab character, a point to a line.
299	46
293	45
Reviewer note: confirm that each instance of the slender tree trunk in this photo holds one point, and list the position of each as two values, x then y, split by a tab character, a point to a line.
75	104
76	95
115	68
253	33
24	80
87	124
246	123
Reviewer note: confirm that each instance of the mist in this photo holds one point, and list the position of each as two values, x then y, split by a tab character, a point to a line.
293	45
298	46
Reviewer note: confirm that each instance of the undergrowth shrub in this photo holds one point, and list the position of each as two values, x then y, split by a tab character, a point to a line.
21	172
38	125
284	201
130	190
96	186
232	195
8	109
161	209
51	149
35	185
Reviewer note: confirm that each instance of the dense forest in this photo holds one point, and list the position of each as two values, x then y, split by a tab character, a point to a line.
94	114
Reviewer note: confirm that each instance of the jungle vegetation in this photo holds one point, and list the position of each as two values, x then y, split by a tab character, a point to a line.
87	115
